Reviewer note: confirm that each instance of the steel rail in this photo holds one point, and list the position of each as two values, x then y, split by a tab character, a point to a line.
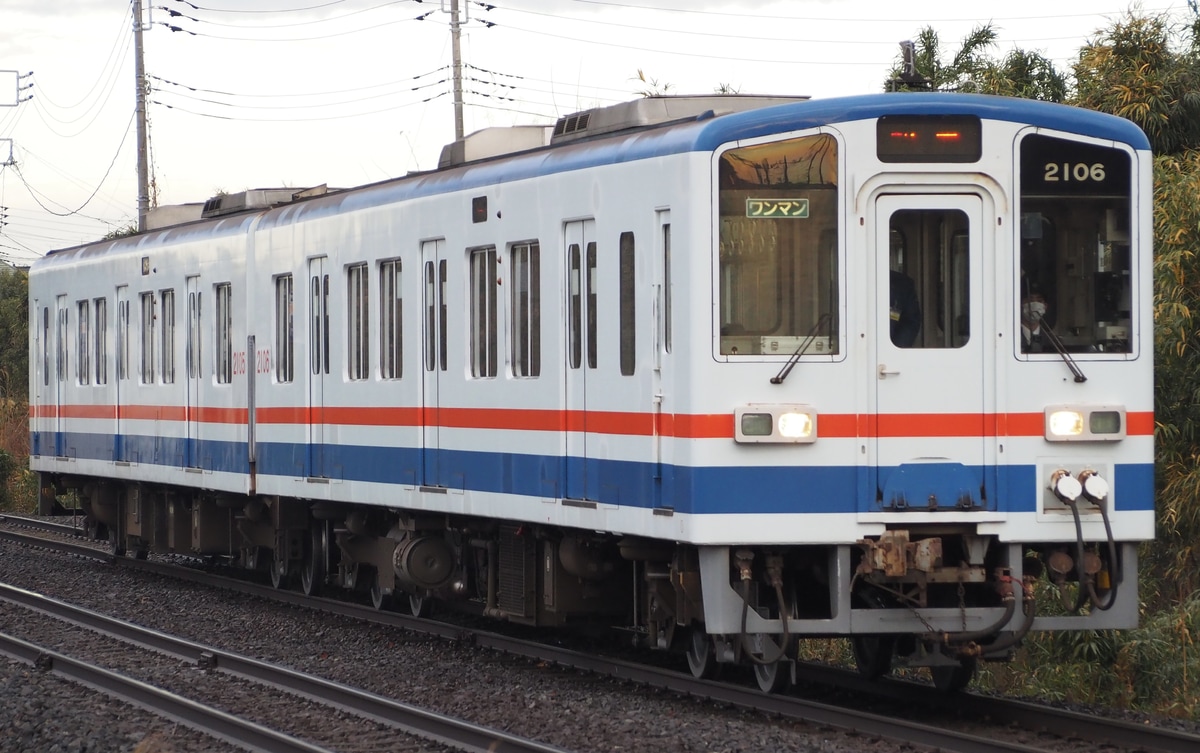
428	725
195	715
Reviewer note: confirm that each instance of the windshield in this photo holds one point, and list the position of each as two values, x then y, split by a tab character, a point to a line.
778	247
1075	268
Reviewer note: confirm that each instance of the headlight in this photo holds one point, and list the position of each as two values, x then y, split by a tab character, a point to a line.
1065	423
783	424
1076	423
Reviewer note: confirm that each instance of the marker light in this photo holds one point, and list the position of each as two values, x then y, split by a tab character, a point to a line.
1079	423
775	424
757	424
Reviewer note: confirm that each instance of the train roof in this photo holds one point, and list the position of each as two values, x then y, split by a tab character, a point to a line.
706	132
691	131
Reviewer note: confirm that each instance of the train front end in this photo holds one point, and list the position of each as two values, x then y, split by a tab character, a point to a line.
931	326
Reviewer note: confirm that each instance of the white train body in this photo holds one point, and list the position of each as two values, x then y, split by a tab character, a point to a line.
597	341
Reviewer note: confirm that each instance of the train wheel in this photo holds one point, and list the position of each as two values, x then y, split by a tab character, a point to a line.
280	578
316	554
774	677
873	654
701	657
420	606
255	557
953	678
380	599
116	544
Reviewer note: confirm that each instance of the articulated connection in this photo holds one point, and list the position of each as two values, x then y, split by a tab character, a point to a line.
908	568
914	574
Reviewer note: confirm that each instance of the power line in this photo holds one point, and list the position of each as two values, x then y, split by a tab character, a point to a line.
178	14
855	19
35	194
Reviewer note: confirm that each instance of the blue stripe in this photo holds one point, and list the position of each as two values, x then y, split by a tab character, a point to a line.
697	490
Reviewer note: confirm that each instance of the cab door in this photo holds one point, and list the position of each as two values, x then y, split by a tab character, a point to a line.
933	363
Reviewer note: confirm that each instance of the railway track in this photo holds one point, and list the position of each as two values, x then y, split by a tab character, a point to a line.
125	645
1041	722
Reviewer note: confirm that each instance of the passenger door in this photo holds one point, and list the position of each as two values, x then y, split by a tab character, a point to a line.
433	307
194	338
121	390
62	314
318	358
581	474
932	389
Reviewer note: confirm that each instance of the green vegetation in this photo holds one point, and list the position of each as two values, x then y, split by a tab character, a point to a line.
17	487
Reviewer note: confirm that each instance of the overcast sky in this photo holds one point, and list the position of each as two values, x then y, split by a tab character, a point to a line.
297	93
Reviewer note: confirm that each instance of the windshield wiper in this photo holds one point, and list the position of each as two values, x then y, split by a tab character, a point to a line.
808	339
1052	336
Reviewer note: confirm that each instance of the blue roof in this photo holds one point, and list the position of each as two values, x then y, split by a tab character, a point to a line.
706	134
817	112
703	135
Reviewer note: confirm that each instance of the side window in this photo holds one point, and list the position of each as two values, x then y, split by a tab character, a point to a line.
46	346
285	359
149	338
195	336
319	332
122	338
526	310
666	294
168	336
391	320
358	323
101	335
483	312
590	282
628	325
83	344
224	330
61	350
435	315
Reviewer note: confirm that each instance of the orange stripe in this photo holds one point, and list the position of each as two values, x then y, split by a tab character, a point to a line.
152	412
220	415
1139	424
620	423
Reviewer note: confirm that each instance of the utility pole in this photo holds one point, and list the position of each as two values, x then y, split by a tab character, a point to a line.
457	70
143	168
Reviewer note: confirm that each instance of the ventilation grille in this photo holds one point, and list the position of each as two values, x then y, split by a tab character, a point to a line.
572	124
518	573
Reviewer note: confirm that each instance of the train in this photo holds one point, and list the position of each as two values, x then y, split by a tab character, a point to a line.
874	367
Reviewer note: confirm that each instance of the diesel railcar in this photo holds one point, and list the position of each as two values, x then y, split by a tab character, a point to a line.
727	371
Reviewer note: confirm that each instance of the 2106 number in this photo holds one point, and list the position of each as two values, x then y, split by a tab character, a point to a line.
1079	172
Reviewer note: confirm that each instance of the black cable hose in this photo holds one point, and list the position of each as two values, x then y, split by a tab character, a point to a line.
1084	584
745	638
1112	560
